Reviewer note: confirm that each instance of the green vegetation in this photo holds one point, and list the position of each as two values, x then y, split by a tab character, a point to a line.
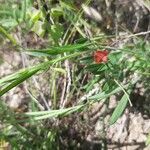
67	60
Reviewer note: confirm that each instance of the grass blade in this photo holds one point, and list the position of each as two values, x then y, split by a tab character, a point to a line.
119	109
22	78
53	113
15	79
4	32
57	50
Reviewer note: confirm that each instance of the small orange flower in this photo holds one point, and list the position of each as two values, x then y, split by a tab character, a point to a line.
101	56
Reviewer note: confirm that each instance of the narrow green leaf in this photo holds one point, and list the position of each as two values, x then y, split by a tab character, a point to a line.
22	78
119	109
103	95
4	32
15	79
23	15
57	50
53	113
8	23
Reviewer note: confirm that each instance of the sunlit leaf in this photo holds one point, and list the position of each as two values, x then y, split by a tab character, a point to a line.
119	109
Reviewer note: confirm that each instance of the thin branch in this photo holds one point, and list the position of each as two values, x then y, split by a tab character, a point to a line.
69	83
63	92
119	84
138	34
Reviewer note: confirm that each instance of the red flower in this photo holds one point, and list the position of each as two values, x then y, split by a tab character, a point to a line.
101	56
